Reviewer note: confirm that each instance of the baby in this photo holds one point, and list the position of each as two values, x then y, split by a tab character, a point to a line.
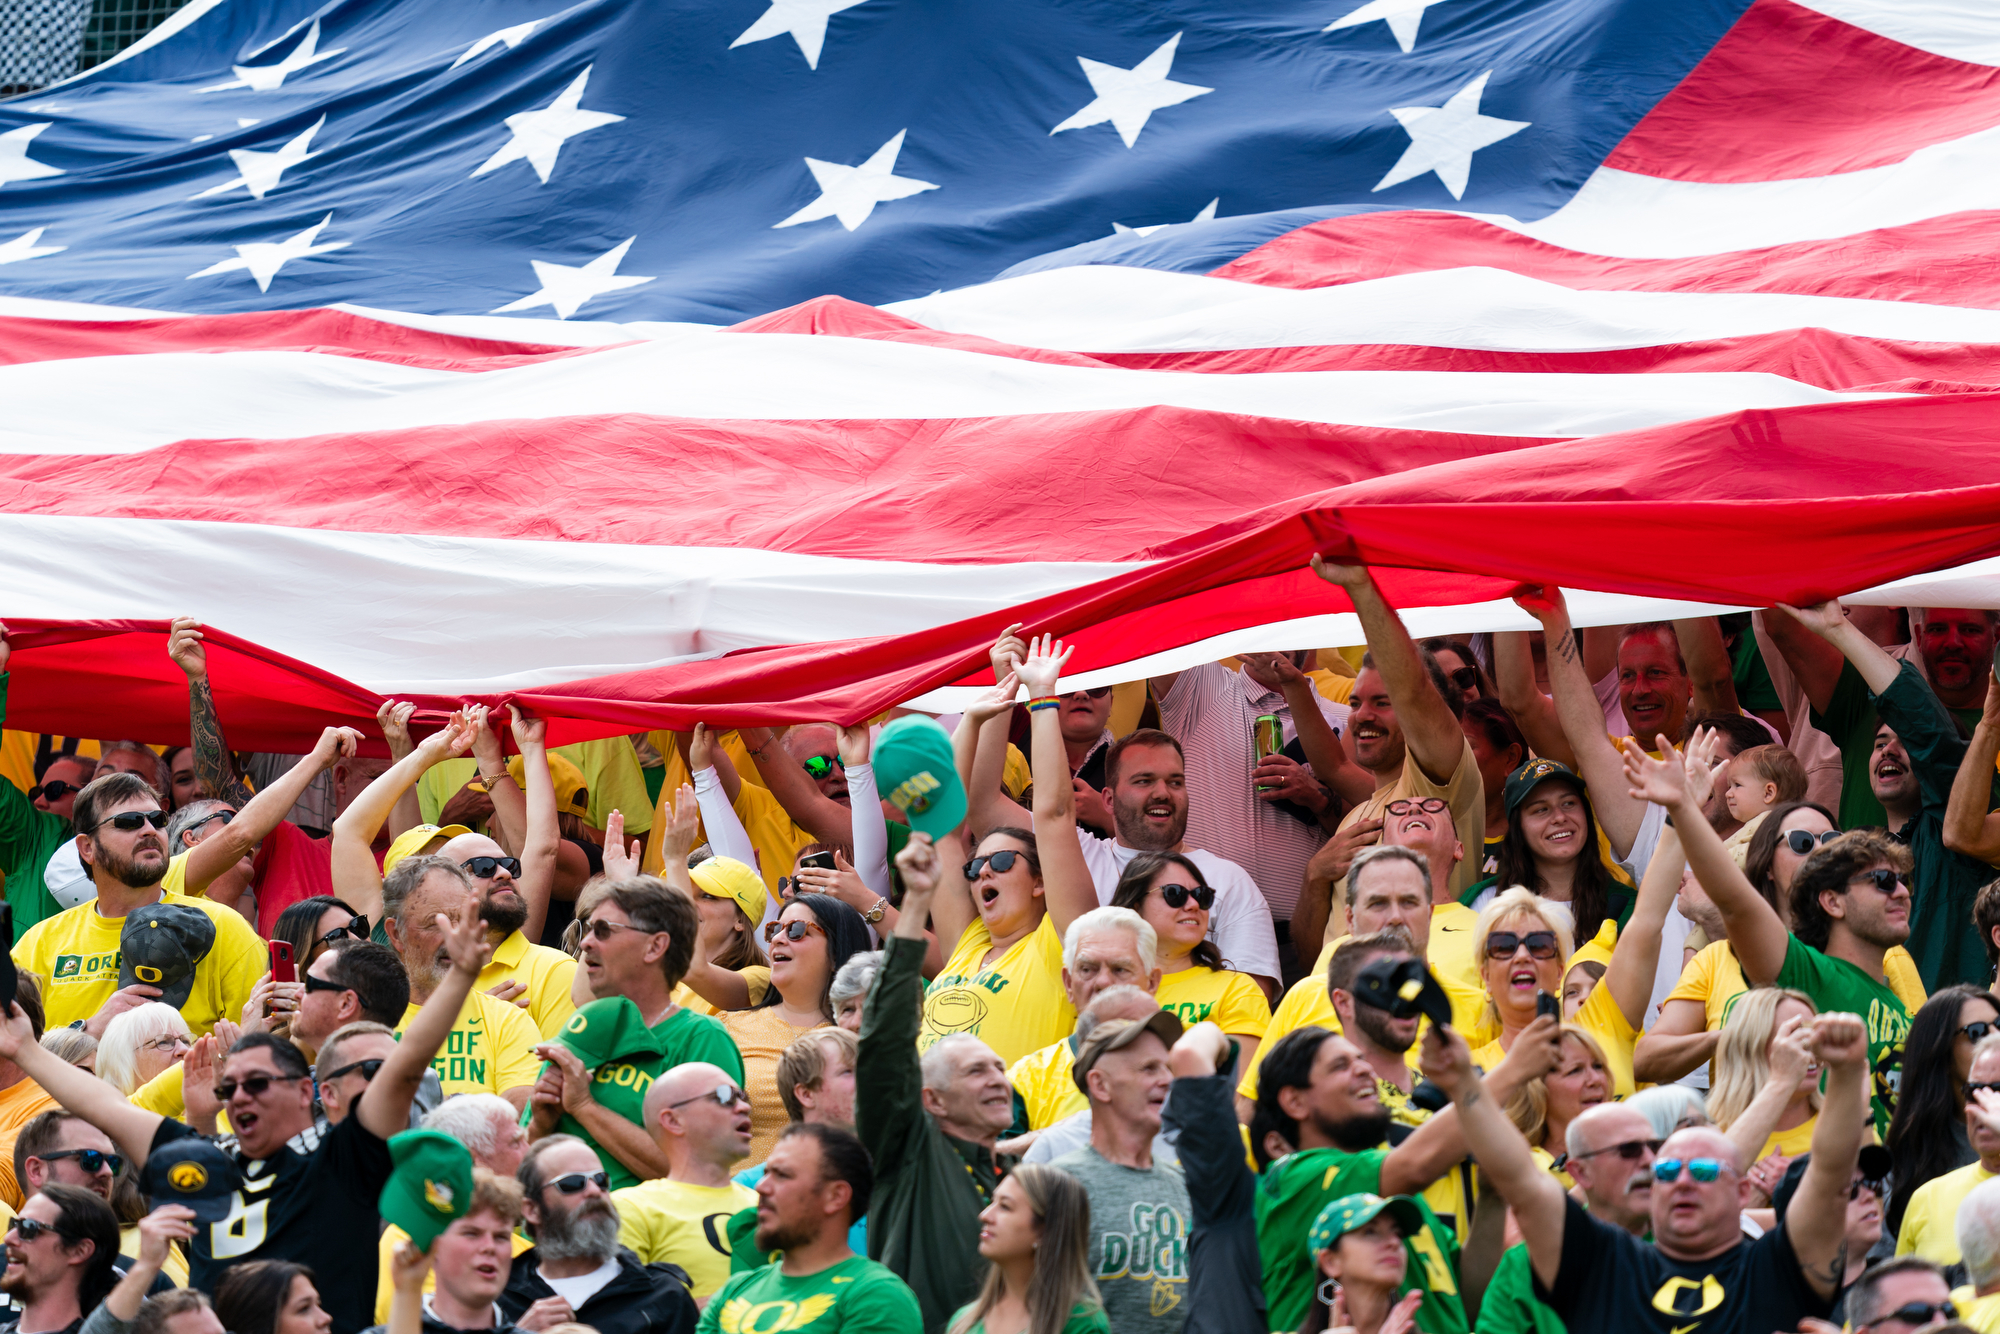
1758	780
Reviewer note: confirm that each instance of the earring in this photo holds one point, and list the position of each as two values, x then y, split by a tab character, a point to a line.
1328	1291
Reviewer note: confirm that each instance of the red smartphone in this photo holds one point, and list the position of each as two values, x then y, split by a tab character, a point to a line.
281	962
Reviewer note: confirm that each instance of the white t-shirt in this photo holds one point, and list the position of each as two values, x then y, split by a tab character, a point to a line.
1240	922
576	1291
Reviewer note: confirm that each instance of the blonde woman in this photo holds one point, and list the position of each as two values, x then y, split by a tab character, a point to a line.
140	1043
1764	1086
1036	1234
1543	1108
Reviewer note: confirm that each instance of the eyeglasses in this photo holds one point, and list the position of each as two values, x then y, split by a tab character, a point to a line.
32	1229
256	1086
1885	879
1101	692
1428	805
1801	842
224	816
725	1095
482	868
574	1183
1502	944
1978	1029
368	1069
1631	1150
130	820
1668	1170
357	929
1971	1089
323	984
1878	1188
1001	862
1176	896
1465	678
55	790
603	930
791	930
92	1161
1915	1313
164	1042
819	766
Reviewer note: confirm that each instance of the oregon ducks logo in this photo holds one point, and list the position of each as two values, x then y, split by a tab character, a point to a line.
187	1178
1669	1300
577	1023
437	1195
913	794
957	1009
150	976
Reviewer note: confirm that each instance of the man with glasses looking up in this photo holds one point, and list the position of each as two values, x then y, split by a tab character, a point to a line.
576	1270
700	1117
307	1196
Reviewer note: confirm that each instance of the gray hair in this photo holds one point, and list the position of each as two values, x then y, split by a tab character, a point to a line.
1864	1297
118	1049
1384	852
1979	1233
474	1120
402	881
187	817
359	1028
1109	998
937	1061
107	749
1145	940
854	978
1666	1106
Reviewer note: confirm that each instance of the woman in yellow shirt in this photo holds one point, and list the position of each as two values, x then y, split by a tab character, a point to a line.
1755	1051
728	971
1167	889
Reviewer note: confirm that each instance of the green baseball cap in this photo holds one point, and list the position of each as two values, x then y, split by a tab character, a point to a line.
429	1185
607	1029
1533	774
916	773
1350	1212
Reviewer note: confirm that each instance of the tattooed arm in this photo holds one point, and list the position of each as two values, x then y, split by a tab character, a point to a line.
213	767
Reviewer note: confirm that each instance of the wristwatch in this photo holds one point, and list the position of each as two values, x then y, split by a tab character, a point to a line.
875	914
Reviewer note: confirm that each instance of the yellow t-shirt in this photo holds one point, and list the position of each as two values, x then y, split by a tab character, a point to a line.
1016	1004
20	1103
1231	1000
1930	1224
1715	978
1465	796
1982	1313
546	973
756	980
490	1049
1791	1142
610	770
385	1286
684	1225
1043	1079
1600	1017
76	953
761	1037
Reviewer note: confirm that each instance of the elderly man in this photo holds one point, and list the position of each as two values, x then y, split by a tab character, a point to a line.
700	1118
1104	948
1072	1130
1700	1267
1898	1296
931	1127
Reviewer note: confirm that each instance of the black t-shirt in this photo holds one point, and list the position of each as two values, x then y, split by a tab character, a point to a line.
314	1202
1610	1280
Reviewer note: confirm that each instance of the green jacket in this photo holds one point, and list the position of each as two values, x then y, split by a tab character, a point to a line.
923	1221
28	838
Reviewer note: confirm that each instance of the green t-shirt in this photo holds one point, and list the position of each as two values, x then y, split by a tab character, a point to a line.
1850	721
856	1296
1836	984
1084	1318
1510	1305
1291	1194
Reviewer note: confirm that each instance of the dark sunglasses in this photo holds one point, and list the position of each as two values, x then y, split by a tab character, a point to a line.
819	766
791	930
1913	1313
1001	861
1885	879
1668	1170
1978	1029
55	790
224	816
369	1069
1465	678
1801	843
1971	1089
1631	1150
1878	1188
604	930
482	868
256	1086
1101	692
1176	896
130	820
354	930
322	984
574	1183
1502	944
1428	805
92	1161
32	1229
725	1095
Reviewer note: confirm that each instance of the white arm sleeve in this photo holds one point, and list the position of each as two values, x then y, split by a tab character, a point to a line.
871	832
726	835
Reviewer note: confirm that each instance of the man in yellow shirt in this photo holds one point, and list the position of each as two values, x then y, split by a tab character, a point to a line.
1930	1224
699	1116
121	838
1104	948
491	1047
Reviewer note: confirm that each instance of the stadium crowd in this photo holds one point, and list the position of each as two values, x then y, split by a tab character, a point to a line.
1632	978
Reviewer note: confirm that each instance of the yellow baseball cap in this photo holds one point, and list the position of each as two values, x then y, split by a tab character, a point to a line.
727	878
413	841
572	793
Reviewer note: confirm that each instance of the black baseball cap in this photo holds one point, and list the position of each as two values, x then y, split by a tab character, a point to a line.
1875	1164
1532	775
195	1172
161	945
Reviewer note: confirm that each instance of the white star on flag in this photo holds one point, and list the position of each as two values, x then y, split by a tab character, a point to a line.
1127	97
851	193
539	135
567	287
264	78
1402	16
261	170
1443	139
1207	212
513	37
24	247
15	164
264	258
805	20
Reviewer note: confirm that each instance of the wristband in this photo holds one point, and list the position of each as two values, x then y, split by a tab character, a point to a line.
1046	702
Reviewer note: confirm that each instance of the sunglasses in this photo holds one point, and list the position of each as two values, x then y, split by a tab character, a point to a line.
1176	896
1668	1170
1428	805
574	1183
354	930
482	868
725	1095
791	930
33	1229
1801	843
604	930
1971	1089
1878	1188
1101	692
1913	1313
1502	944
206	820
322	984
1465	678
819	766
1631	1150
1978	1029
256	1086
1885	879
130	820
92	1161
368	1069
55	790
1002	862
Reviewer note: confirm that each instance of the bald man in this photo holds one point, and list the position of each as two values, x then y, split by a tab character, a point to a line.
699	1116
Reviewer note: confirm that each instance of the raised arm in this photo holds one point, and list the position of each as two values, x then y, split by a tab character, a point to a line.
1582	722
214	769
394	720
1709	669
815	812
726	835
508	799
864	800
1066	882
1755	930
1969	826
357	880
264	812
544	834
979	746
1814	662
1429	727
1325	755
80	1092
1817	1219
385	1105
1635	959
1433	1148
1534	712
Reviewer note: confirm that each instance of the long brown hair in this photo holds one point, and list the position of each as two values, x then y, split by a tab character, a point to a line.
1062	1261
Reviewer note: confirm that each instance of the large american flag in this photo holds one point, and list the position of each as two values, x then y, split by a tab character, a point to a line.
648	360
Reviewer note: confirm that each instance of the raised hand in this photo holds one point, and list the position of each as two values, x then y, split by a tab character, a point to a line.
857	744
1822	618
455	737
394	720
1537	1049
1662	782
465	939
1544	602
683	828
918	863
198	1075
842	883
184	646
486	747
1273	671
1007	651
1701	764
1349	577
701	749
335	743
1791	1056
408	1266
529	733
618	863
1042	668
161	1228
992	703
1840	1039
1446	1060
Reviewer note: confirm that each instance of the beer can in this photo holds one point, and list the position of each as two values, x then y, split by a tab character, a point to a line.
1269	733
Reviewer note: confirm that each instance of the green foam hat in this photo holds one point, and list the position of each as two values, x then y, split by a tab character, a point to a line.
916	773
429	1186
608	1029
